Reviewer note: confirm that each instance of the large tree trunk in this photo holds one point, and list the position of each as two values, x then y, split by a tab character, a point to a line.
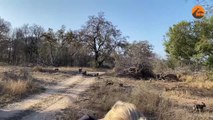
96	59
96	52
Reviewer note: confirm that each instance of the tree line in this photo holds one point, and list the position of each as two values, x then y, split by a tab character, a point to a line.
100	44
97	44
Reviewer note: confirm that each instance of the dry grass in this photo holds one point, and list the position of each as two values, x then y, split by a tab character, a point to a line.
101	97
18	87
204	84
183	96
16	83
37	69
199	80
158	100
149	97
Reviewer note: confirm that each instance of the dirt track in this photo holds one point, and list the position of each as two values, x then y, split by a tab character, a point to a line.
45	105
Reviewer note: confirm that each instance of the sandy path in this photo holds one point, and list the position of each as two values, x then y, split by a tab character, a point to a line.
44	106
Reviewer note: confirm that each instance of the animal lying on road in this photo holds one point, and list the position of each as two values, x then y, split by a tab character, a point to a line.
89	74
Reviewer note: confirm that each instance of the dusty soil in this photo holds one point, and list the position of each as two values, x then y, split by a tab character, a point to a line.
44	106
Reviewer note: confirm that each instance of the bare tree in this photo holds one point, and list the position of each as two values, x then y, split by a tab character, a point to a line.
101	36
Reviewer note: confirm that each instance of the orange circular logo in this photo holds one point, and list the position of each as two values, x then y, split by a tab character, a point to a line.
198	11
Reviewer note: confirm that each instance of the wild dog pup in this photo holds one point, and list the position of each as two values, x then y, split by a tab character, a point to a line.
199	107
84	72
121	84
80	70
108	82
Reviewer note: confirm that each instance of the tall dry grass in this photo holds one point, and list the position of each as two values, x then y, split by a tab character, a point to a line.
19	87
17	84
199	80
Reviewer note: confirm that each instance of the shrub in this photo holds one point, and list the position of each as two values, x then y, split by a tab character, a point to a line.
16	87
25	74
141	71
17	82
210	75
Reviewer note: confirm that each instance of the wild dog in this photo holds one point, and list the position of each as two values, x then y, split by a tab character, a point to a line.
121	84
132	70
97	74
80	70
92	74
171	77
108	82
84	72
199	107
159	76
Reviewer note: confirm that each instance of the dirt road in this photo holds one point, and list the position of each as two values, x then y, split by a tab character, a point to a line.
45	105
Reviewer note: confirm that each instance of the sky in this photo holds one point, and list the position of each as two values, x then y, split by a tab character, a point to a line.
139	19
